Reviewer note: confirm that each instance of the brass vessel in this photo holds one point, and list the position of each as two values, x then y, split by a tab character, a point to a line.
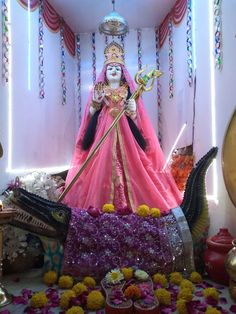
230	265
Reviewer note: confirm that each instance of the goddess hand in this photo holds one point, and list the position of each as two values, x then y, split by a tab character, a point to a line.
131	105
98	93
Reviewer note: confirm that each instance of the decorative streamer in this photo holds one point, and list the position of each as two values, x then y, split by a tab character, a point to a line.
5	43
63	65
158	88
171	68
139	34
189	43
122	41
41	57
78	77
94	57
218	34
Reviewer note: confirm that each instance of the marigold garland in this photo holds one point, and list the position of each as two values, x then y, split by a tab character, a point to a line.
181	167
185	294
163	296
75	310
65	282
79	288
176	278
185	283
132	292
128	273
160	279
108	208
181	306
95	300
89	282
212	310
65	299
39	299
50	277
142	210
195	277
211	292
155	212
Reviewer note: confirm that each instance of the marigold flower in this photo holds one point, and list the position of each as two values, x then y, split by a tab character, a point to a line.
114	276
95	300
79	288
176	278
185	294
75	310
142	210
39	299
50	277
128	272
195	277
160	279
89	282
185	283
211	292
181	306
108	208
155	212
163	296
212	310
65	299
132	292
65	282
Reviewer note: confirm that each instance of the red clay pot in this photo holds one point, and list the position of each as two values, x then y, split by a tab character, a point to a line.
217	248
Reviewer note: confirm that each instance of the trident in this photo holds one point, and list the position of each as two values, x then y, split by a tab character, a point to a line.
142	87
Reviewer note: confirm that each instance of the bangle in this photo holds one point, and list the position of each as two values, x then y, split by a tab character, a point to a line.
96	105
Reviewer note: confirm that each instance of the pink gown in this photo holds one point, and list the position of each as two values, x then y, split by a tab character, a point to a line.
121	173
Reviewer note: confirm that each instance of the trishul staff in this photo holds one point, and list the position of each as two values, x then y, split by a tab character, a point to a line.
142	86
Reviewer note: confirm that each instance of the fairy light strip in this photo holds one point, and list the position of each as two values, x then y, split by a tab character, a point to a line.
159	109
189	43
63	65
139	37
170	55
40	51
5	43
78	83
94	58
218	34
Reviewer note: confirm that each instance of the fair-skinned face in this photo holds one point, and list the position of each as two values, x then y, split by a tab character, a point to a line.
113	73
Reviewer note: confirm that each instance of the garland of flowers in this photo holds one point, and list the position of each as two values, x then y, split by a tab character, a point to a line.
158	88
63	66
41	57
171	67
94	58
218	33
189	43
78	51
139	36
5	43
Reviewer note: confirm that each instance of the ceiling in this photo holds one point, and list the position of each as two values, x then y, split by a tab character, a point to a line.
84	16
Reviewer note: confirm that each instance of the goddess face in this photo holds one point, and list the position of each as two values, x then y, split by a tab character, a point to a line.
113	72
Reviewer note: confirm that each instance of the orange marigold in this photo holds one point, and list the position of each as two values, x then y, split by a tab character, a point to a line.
132	292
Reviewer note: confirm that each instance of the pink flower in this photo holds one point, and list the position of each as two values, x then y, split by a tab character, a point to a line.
93	211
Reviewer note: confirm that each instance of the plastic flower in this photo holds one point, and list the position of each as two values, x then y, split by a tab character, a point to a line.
160	279
132	292
79	288
176	278
185	294
163	296
128	273
155	212
108	208
114	276
181	306
65	282
89	282
95	300
50	277
185	283
212	310
212	293
75	310
142	210
195	277
39	299
141	275
65	299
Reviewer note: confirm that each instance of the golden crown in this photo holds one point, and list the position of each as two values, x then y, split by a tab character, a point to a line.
114	53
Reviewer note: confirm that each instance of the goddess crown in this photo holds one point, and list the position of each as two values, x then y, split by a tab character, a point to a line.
114	53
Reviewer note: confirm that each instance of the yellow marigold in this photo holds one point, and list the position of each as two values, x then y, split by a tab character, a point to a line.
142	210
75	310
95	300
185	294
181	306
65	299
39	299
176	278
50	277
108	208
65	282
128	272
163	296
155	212
132	292
79	288
160	279
185	283
212	310
211	292
195	277
89	282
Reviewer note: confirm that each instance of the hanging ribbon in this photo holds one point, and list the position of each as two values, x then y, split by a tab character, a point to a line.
41	56
94	58
78	77
189	43
218	34
63	66
139	36
171	67
159	109
5	43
